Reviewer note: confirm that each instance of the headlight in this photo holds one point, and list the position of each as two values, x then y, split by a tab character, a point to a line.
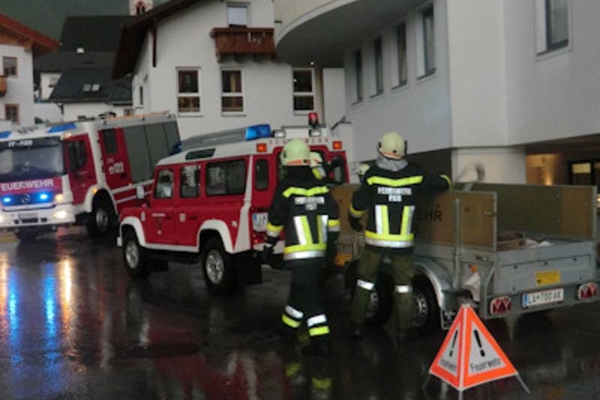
62	214
59	198
1	218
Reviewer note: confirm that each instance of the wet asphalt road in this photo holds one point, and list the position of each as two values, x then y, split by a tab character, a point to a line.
74	326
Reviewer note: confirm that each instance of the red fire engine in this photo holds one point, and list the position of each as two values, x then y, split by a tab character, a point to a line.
80	172
210	204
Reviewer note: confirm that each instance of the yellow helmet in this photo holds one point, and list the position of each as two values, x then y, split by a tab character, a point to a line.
315	159
295	154
392	145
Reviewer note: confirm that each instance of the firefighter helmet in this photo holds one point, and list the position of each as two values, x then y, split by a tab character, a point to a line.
295	154
315	159
392	145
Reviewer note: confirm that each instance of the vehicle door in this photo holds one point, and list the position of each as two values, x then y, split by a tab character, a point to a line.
160	227
114	158
189	205
263	186
80	167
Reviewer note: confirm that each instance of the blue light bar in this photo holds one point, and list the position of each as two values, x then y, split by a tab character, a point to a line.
7	199
258	132
43	197
62	128
4	135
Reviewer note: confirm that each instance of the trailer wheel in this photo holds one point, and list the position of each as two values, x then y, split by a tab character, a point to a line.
218	268
100	218
134	257
426	314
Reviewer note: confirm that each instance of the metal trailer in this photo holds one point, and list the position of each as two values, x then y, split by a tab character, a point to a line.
506	249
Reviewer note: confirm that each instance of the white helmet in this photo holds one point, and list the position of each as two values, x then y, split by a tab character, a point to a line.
392	145
295	154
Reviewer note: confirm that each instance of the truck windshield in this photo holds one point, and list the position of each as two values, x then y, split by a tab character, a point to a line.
31	159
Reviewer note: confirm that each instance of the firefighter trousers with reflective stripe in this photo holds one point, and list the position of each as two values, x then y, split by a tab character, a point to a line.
305	299
402	268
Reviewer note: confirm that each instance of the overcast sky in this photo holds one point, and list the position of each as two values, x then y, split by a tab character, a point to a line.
47	16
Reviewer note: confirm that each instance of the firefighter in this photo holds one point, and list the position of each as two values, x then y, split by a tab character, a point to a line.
387	195
303	207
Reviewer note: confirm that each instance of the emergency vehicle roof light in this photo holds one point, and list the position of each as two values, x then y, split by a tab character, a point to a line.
62	128
279	133
258	132
4	135
315	133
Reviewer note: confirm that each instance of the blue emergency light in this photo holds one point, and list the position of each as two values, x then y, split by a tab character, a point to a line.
41	197
258	132
7	199
4	135
62	128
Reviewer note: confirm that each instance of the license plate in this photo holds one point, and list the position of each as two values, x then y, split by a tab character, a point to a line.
543	297
28	215
259	222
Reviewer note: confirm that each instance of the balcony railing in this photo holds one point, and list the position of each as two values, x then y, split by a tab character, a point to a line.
243	41
2	86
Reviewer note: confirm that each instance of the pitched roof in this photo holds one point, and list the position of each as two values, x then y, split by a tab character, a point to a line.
134	31
92	33
59	61
81	85
40	43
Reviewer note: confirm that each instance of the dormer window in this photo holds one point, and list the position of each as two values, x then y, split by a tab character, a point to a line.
237	14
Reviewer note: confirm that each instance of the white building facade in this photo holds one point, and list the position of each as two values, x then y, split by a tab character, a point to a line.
512	85
213	64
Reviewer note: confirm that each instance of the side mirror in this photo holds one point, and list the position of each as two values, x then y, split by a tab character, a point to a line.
140	193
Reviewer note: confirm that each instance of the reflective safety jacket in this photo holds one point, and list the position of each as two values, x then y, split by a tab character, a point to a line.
305	210
389	199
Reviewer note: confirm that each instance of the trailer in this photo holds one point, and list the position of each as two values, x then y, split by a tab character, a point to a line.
505	249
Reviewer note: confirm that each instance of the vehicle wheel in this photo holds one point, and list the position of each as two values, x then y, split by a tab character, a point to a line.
100	219
381	302
426	313
134	257
26	236
219	271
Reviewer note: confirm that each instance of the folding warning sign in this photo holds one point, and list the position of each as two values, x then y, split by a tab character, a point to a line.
470	355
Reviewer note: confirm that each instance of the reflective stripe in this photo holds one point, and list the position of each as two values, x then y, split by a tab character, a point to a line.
402	289
321	383
290	322
356	213
296	314
318	331
402	240
292	369
378	180
301	255
310	247
322	228
305	192
407	216
333	225
447	180
274	230
394	244
317	320
302	229
364	284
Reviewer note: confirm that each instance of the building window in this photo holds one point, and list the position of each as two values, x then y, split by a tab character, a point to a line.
358	78
401	54
428	42
232	98
237	14
378	60
557	24
188	97
11	113
9	66
141	94
304	96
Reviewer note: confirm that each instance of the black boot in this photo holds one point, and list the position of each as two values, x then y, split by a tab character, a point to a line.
355	331
319	346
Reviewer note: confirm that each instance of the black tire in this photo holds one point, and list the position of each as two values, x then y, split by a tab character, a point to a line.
134	257
101	218
26	235
426	313
217	266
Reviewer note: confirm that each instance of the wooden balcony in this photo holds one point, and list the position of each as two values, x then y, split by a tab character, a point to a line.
243	41
2	86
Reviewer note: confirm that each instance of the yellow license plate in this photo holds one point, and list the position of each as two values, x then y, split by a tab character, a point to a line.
544	278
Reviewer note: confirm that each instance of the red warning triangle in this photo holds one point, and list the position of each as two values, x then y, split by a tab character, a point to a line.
470	355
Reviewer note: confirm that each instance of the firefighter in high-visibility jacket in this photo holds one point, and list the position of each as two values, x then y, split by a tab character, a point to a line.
303	207
387	194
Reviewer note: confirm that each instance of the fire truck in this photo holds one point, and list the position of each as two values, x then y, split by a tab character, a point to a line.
81	172
210	203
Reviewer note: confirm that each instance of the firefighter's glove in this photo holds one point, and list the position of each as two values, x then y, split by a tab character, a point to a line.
267	253
355	223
